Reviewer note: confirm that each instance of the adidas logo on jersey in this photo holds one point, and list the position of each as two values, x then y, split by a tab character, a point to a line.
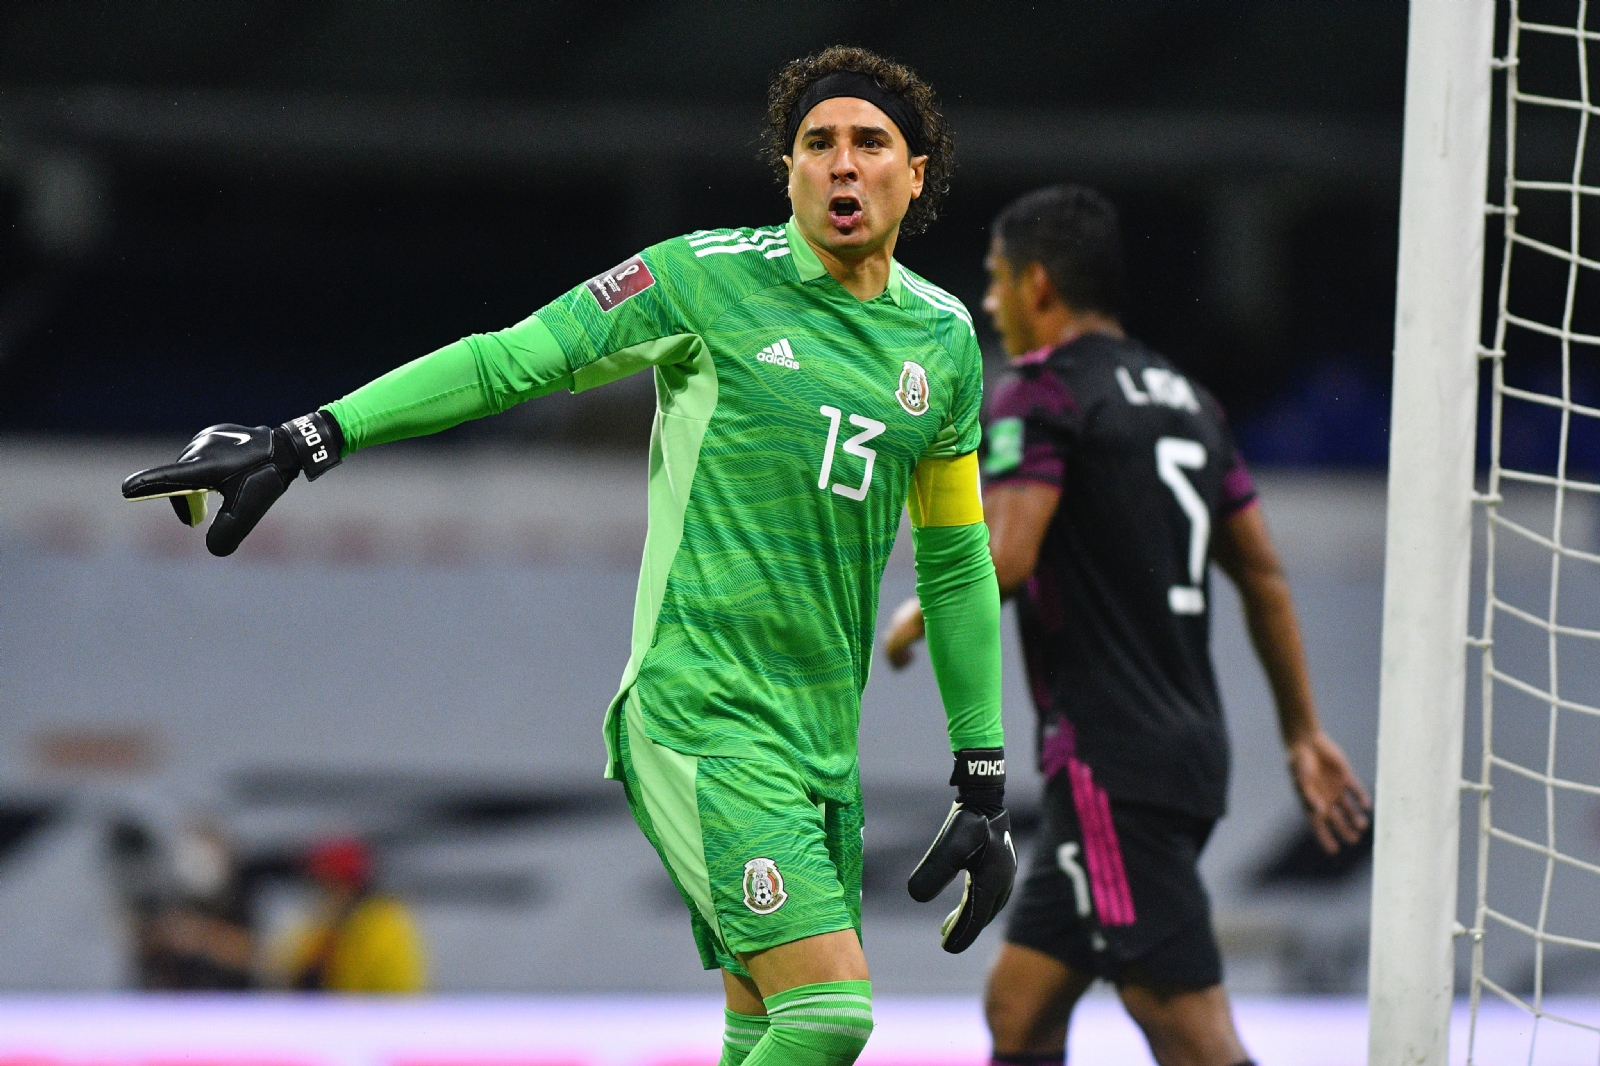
778	354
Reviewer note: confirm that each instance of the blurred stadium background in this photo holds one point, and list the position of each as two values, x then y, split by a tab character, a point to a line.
237	211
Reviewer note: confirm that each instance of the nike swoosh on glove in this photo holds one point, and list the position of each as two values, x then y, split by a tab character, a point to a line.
251	466
975	841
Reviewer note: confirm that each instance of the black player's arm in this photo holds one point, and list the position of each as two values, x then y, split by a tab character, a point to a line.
1332	794
1247	555
1018	514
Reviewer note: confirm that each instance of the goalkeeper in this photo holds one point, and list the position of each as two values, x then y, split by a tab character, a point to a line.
809	387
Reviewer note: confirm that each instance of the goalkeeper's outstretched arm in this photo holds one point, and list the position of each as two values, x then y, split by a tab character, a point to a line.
476	376
612	325
251	466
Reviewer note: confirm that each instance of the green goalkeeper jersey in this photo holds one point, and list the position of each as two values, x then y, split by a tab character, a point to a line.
790	418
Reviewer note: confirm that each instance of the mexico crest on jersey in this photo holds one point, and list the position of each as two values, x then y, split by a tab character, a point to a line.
913	390
763	886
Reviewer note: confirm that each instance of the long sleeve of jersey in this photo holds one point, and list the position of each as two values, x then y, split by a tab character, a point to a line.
960	598
610	326
476	376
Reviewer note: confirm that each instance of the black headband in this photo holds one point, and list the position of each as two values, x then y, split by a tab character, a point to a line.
862	87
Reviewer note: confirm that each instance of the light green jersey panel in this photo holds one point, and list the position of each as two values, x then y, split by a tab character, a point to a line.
667	792
686	396
781	457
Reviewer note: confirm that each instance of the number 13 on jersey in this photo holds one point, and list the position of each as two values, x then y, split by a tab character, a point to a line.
856	445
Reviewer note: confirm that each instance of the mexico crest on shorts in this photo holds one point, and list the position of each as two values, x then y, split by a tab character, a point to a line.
763	886
913	390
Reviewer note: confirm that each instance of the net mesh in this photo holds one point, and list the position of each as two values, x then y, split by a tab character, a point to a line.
1536	920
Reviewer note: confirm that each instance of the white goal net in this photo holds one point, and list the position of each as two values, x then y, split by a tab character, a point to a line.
1535	915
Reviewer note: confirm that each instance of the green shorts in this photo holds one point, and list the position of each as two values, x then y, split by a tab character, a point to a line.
759	857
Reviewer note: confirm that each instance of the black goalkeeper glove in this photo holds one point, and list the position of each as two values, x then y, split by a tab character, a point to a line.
975	840
250	466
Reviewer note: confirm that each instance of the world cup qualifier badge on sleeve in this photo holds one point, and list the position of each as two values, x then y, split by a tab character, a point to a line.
763	886
621	283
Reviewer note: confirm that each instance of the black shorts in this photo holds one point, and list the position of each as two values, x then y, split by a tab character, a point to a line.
1122	898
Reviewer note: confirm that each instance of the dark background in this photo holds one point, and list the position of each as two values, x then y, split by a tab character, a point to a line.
239	210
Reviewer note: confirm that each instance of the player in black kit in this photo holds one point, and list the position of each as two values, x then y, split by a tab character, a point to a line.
1112	482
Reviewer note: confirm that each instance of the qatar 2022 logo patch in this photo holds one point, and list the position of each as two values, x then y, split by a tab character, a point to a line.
913	390
620	284
763	886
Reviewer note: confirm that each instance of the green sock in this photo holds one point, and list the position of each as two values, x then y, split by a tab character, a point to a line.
816	1025
740	1037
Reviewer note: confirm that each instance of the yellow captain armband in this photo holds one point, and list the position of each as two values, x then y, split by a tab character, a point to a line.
944	492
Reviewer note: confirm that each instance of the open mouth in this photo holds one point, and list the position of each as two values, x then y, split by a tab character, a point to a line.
844	212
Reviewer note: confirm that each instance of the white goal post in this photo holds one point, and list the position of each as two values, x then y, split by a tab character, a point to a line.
1429	547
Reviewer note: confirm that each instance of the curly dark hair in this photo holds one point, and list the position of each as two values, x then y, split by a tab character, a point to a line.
796	77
